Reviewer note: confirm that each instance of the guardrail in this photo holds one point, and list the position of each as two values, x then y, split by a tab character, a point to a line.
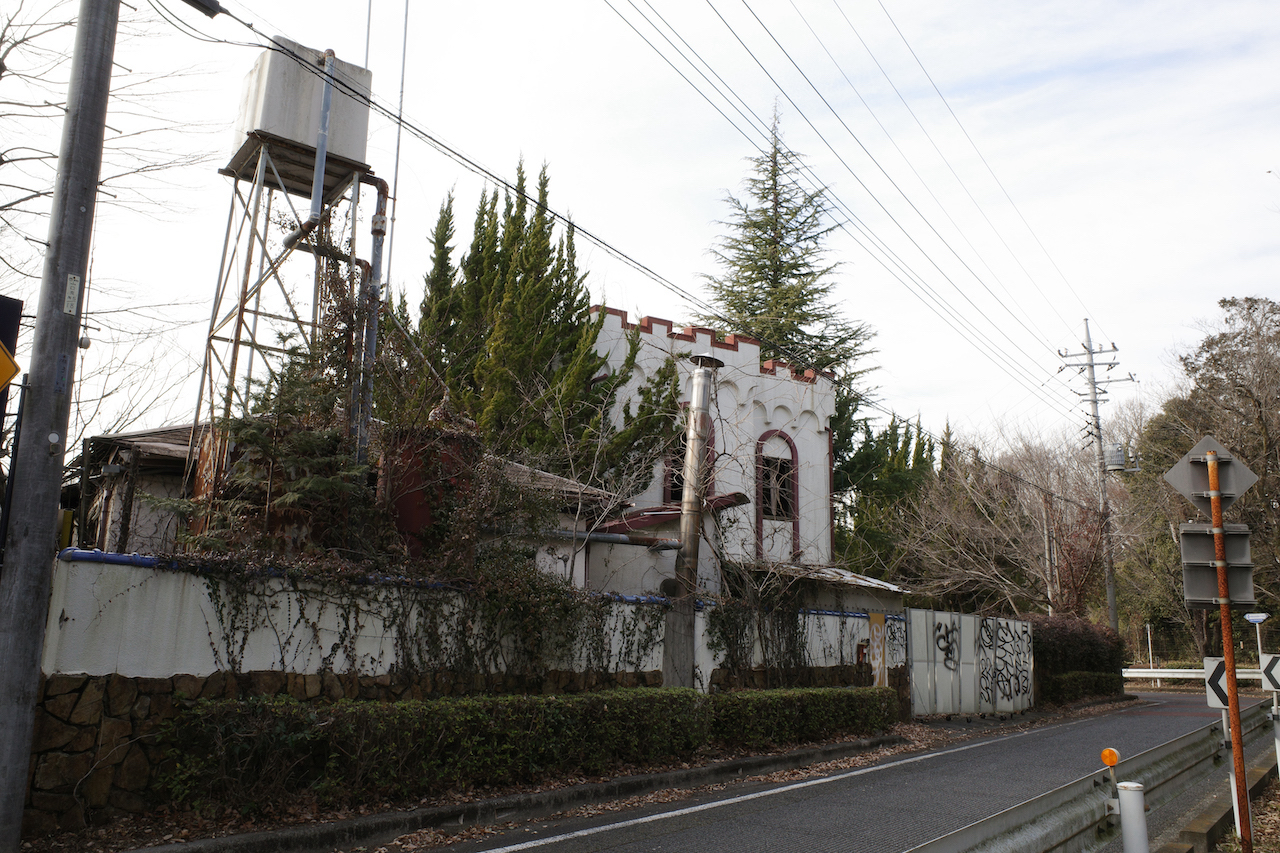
1152	674
1074	818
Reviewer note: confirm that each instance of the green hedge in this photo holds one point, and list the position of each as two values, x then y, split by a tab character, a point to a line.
1065	644
776	717
1073	686
252	752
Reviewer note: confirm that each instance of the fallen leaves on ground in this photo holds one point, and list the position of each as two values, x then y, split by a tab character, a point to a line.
1266	823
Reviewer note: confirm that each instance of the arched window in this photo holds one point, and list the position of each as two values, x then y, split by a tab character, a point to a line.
777	487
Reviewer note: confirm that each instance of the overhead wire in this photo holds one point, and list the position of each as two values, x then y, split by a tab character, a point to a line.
946	315
457	156
873	159
600	242
1017	365
1009	366
872	112
981	157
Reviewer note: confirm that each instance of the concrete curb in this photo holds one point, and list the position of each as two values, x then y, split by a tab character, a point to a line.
1212	825
379	829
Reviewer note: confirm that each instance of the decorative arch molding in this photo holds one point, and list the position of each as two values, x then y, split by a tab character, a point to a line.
777	489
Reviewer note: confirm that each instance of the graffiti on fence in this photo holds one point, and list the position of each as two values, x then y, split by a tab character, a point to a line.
968	664
1004	660
895	641
946	637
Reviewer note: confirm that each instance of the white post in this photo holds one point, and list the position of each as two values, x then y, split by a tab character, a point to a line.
1275	721
1231	769
1151	655
1133	817
1257	626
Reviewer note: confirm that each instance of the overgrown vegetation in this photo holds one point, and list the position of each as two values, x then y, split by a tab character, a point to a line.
505	619
761	612
1067	644
252	753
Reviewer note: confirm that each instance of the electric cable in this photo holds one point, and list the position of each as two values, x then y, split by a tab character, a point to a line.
871	111
495	178
1014	364
608	247
991	171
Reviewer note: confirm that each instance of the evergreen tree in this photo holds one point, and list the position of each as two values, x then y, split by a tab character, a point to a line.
510	332
776	284
877	484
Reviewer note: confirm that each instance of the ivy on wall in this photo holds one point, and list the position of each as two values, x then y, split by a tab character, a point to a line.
509	617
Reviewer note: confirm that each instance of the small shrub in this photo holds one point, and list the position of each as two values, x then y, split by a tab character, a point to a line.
1074	686
759	718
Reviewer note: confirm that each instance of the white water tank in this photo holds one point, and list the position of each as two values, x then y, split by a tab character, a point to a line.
282	98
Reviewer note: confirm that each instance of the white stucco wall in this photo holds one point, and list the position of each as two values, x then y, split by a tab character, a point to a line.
750	403
144	622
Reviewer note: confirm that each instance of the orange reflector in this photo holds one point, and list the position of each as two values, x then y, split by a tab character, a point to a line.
1110	757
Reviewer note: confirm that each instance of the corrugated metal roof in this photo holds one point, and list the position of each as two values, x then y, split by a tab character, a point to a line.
171	442
561	487
834	575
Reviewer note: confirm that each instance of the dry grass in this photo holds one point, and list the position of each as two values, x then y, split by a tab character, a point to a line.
1266	823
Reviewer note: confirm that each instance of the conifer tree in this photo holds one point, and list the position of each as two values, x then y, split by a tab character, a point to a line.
510	331
776	284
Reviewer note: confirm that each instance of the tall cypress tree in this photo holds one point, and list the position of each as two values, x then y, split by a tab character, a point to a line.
510	330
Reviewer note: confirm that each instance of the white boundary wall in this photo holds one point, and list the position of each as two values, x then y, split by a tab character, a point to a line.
967	664
144	622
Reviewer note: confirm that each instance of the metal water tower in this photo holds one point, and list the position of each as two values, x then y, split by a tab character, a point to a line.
289	254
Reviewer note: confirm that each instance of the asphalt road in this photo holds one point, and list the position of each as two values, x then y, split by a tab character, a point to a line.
887	807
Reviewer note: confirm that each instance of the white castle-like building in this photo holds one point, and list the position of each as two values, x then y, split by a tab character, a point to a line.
769	453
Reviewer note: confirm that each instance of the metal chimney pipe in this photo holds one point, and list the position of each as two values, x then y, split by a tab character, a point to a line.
678	653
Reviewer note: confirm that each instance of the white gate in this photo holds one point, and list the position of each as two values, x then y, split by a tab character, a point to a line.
968	664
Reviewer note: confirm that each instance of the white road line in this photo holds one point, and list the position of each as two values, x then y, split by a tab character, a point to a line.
595	830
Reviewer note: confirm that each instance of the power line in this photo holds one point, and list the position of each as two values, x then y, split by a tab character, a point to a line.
1010	366
990	171
941	155
462	159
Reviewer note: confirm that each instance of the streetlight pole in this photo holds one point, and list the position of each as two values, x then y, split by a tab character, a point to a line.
26	575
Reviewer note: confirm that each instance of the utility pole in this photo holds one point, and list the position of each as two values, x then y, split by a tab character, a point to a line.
1095	427
27	572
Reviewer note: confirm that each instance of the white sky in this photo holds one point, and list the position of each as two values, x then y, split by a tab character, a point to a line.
1135	138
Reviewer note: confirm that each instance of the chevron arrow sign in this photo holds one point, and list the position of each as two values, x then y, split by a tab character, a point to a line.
1215	682
1271	673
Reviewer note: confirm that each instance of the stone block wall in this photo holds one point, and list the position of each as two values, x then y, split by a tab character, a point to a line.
94	749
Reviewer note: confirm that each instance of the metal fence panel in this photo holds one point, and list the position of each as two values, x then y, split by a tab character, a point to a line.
962	664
